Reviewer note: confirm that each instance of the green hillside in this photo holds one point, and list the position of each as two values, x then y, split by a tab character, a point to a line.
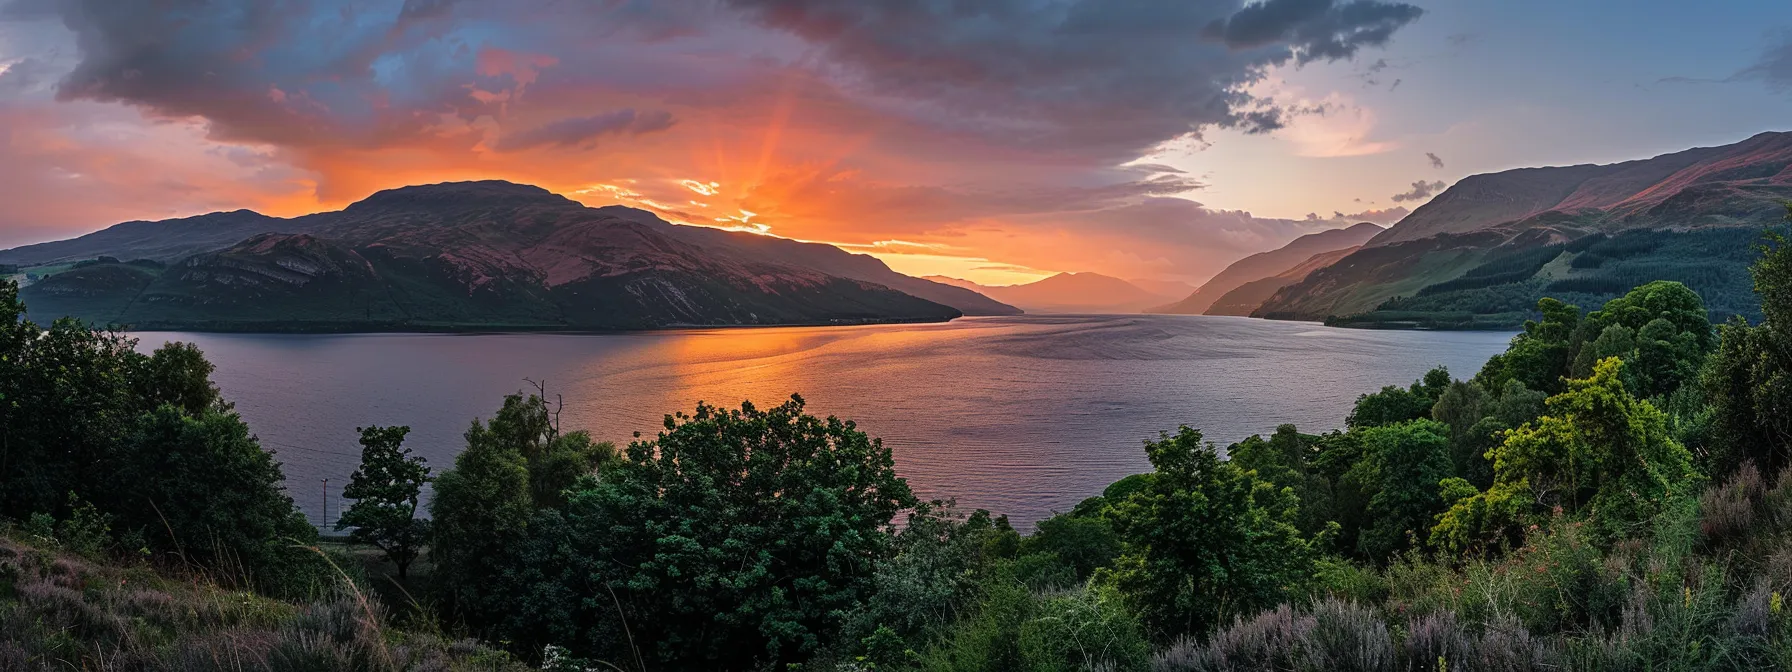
1502	290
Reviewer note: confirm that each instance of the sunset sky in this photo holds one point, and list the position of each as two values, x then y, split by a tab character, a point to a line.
999	140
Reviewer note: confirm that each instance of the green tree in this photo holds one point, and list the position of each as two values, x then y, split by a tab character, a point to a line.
385	491
1748	379
1463	405
1402	465
1393	404
515	464
1284	461
735	539
1599	450
1541	355
1210	540
1661	330
218	494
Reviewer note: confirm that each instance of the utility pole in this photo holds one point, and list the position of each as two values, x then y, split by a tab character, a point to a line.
324	519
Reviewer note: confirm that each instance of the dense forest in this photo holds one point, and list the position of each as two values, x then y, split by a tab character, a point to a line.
1502	291
1613	492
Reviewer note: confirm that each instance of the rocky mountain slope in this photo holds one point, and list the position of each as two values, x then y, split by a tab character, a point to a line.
1738	184
1249	296
1481	253
450	256
1264	265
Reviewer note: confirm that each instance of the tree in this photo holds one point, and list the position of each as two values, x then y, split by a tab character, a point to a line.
206	481
385	491
1661	330
1462	405
146	440
1402	465
1599	450
1210	541
735	539
1541	355
516	464
1283	460
1393	404
1748	379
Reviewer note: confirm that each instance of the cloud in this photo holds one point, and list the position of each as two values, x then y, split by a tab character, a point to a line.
1435	162
1313	29
578	131
1378	216
1421	190
1775	65
1005	122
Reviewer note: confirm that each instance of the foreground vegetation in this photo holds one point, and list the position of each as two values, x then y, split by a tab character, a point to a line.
1612	492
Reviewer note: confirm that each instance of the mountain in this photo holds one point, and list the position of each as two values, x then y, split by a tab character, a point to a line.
471	255
1163	287
1264	265
1067	293
1251	295
1739	184
833	261
1485	250
163	240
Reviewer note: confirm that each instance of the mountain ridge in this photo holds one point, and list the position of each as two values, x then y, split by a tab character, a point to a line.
1268	264
1639	193
1481	253
468	254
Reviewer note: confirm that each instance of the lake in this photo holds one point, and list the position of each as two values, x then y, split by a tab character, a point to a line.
1019	415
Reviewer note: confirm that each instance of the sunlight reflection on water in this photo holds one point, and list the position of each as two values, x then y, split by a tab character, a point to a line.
1019	415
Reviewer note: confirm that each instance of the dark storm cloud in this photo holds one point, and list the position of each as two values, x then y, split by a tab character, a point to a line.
1313	30
1112	76
1435	162
582	130
1097	79
282	72
1421	190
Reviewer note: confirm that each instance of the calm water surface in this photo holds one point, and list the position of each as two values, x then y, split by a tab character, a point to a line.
1019	415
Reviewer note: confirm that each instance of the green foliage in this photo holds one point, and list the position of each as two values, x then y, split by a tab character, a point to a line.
1078	544
734	539
1284	461
1210	540
1014	628
516	464
1748	380
1599	450
385	490
1393	405
1661	332
87	532
207	481
1461	407
99	435
1538	357
1402	465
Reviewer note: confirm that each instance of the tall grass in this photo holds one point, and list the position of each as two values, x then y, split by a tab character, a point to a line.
61	611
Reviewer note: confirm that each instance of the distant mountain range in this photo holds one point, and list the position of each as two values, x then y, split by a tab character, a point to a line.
469	255
1067	293
1262	271
1481	253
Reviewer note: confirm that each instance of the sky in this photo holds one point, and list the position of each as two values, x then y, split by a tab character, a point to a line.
995	140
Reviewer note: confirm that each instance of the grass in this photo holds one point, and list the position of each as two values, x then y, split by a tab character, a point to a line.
1703	589
62	611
